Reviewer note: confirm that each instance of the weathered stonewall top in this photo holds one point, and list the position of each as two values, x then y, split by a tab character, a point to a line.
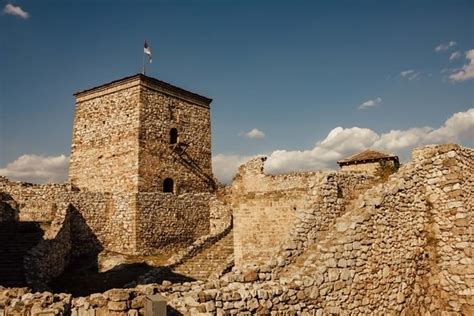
140	79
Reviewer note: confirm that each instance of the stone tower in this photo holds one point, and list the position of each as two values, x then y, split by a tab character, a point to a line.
140	134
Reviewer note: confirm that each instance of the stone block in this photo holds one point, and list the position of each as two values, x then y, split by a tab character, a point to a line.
155	305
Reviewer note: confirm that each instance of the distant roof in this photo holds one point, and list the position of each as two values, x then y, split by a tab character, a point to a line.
160	85
367	156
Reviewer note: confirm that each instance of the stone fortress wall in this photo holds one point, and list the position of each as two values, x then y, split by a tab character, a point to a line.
401	247
268	208
108	221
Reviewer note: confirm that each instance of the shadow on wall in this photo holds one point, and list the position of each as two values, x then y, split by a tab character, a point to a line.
83	277
84	241
7	211
16	239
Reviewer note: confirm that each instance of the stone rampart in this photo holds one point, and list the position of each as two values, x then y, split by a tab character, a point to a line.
290	209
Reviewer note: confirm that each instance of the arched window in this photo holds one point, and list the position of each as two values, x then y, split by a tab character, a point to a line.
168	185
173	136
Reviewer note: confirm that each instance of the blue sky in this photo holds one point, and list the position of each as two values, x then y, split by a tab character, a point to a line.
292	71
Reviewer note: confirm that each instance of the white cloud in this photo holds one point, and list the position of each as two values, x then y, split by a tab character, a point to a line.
224	166
370	103
445	47
455	55
37	168
410	74
406	72
467	71
254	133
342	142
11	9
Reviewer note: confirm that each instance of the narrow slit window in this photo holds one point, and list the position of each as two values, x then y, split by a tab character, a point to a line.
168	185
173	136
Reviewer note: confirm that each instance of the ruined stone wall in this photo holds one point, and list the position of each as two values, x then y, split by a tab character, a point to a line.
102	220
131	223
447	176
170	222
104	153
33	202
189	167
404	247
290	209
220	213
50	257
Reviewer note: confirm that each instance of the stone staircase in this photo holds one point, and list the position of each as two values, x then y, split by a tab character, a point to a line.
16	238
209	262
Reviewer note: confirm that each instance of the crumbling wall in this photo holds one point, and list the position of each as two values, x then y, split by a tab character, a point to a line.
220	212
51	255
131	223
403	247
33	202
102	220
446	174
281	214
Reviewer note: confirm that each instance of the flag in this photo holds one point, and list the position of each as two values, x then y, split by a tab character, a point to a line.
147	51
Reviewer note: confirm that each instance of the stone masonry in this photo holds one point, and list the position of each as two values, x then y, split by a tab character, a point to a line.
309	243
122	138
404	247
140	172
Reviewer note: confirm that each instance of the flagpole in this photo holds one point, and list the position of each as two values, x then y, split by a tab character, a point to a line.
143	64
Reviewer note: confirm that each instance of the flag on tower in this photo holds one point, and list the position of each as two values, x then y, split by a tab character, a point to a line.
147	51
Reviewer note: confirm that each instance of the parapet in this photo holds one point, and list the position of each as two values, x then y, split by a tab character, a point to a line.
142	80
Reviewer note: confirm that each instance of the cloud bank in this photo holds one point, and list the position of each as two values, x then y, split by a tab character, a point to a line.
342	142
11	9
37	168
339	143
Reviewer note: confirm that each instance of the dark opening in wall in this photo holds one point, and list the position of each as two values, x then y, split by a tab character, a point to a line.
173	136
168	185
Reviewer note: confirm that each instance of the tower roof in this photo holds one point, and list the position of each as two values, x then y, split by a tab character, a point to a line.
149	82
366	156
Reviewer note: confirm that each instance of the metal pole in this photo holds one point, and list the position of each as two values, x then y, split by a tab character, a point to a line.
143	64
